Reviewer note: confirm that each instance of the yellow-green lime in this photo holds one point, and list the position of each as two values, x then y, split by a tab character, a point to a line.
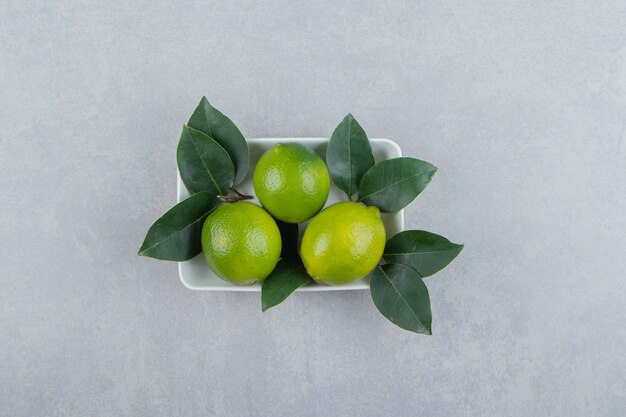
241	242
291	182
343	243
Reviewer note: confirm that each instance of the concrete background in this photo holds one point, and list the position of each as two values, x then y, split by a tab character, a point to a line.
521	105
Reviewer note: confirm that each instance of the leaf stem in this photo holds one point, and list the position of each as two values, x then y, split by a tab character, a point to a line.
233	198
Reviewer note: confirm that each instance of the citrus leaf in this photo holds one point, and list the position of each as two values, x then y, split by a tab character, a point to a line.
203	164
423	251
289	234
212	122
288	276
392	184
402	297
349	155
175	236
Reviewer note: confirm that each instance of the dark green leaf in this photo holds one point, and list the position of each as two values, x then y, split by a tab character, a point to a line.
175	236
349	155
423	251
288	276
400	295
203	164
289	235
392	184
212	122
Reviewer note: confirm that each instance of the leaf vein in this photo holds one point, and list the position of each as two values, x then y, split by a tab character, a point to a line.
176	232
393	184
204	164
415	253
403	299
349	158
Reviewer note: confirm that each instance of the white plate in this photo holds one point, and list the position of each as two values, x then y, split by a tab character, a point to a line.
196	275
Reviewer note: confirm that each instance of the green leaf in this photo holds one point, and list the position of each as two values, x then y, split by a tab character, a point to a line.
349	155
289	235
392	184
423	251
212	122
402	297
288	276
203	164
175	236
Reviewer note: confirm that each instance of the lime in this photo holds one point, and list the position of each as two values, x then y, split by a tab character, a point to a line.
241	242
343	243
291	182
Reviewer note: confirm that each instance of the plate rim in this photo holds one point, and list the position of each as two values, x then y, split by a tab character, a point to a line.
359	285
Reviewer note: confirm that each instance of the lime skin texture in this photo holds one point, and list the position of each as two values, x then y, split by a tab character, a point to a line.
241	242
292	182
343	243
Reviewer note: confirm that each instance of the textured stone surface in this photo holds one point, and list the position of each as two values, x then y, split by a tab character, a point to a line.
521	105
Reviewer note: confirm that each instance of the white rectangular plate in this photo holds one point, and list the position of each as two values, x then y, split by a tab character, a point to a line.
196	275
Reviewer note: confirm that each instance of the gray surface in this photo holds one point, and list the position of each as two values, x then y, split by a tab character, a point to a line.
522	105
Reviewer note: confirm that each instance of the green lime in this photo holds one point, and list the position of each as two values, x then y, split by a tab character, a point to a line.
291	182
241	242
343	243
